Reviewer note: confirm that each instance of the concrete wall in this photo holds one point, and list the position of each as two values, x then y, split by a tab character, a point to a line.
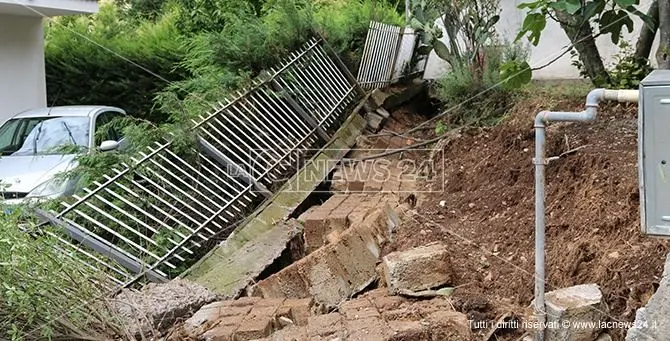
22	78
553	43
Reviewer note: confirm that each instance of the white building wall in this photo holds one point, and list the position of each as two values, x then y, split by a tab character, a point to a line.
22	76
552	43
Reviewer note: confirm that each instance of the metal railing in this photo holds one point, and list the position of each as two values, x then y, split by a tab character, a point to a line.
149	219
387	55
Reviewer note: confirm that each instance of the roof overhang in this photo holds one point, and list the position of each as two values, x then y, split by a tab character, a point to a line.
48	8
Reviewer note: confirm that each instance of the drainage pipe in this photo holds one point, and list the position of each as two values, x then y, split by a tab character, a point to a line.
541	120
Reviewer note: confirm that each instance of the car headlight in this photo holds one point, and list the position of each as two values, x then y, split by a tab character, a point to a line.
51	188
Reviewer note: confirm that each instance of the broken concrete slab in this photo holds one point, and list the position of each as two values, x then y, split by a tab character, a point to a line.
418	269
247	262
226	278
157	306
336	271
580	305
651	321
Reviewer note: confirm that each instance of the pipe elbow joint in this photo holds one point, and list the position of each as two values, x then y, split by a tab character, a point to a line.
541	119
594	97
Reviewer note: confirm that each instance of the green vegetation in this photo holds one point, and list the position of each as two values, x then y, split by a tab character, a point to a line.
45	294
484	73
581	20
162	61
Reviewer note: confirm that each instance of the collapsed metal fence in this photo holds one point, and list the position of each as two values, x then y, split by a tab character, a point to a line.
387	55
147	219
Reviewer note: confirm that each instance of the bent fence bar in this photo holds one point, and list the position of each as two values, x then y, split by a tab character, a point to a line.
148	219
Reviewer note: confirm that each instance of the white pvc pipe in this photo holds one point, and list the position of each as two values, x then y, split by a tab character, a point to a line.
541	120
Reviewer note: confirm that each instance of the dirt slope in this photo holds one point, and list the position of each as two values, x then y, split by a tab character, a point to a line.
593	233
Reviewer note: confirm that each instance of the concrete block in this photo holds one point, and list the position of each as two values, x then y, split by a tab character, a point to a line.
257	325
378	97
219	333
418	269
335	271
158	306
375	121
299	310
407	331
578	305
383	113
367	328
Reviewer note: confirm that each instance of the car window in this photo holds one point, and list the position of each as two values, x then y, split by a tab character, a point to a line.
104	131
44	135
9	133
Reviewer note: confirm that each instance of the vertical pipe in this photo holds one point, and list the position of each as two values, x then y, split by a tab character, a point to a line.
540	164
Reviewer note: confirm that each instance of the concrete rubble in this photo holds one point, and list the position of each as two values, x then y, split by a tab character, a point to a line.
157	306
418	269
651	321
338	270
580	305
373	316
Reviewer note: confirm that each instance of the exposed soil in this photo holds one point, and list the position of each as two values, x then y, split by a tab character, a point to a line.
487	218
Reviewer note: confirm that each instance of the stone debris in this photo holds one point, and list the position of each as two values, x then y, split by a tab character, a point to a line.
419	269
378	97
157	306
578	305
373	316
651	321
375	121
335	272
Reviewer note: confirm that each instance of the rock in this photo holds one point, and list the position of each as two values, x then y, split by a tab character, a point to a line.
418	269
578	305
378	97
375	121
651	322
383	113
443	203
158	306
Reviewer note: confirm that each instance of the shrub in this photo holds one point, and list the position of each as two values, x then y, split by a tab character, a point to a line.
345	25
45	294
104	59
628	70
479	100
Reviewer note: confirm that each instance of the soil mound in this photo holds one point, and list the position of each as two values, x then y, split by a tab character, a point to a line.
485	214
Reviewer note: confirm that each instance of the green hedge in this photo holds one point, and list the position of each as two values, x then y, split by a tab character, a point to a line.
201	49
100	60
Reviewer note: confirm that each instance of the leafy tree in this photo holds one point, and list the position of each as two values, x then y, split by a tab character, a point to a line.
578	18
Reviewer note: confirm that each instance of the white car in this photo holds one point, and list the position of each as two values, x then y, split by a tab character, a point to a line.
36	145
